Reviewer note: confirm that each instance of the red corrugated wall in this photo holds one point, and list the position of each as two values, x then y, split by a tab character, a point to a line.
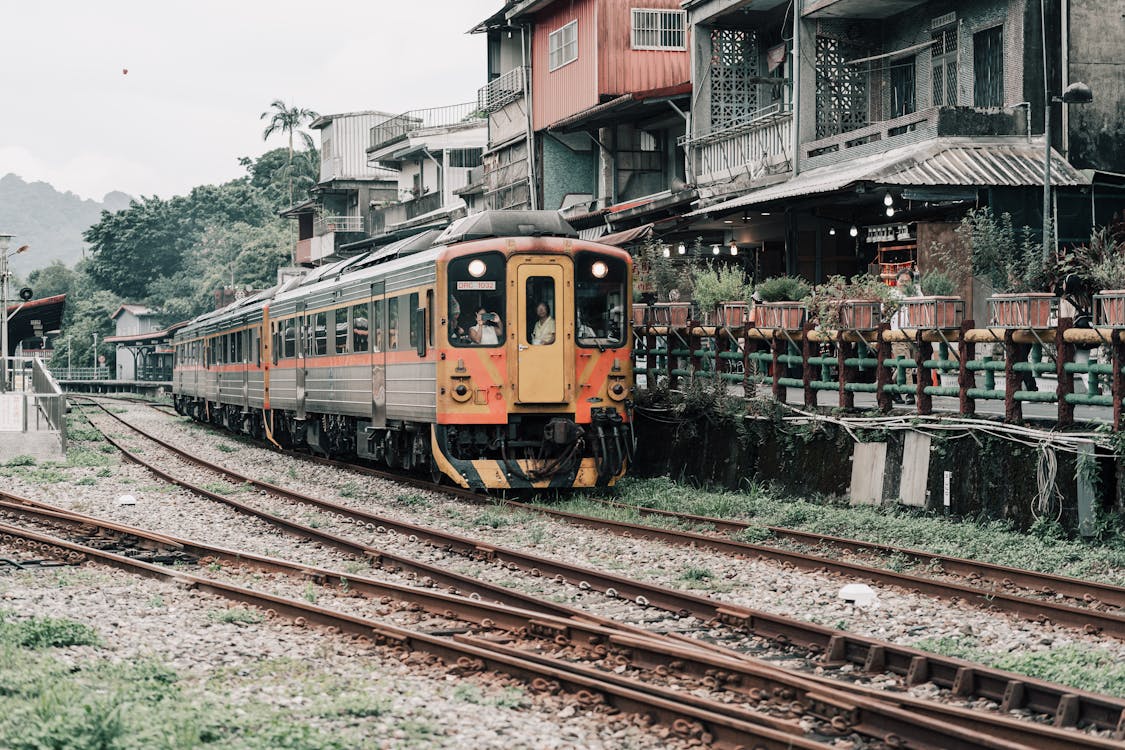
621	69
574	87
607	65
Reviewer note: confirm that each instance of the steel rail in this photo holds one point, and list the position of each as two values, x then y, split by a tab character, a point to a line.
1038	610
866	713
1066	705
714	723
1045	583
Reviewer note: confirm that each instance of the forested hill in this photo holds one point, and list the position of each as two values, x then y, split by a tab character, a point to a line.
51	222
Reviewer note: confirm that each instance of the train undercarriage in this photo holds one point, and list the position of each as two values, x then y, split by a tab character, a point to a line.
530	451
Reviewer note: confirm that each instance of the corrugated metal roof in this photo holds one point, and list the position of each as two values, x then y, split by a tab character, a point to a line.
942	161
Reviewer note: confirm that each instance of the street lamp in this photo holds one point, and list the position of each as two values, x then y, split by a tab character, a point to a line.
1075	93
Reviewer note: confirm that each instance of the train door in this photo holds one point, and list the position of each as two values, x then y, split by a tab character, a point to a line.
300	362
541	331
246	360
379	340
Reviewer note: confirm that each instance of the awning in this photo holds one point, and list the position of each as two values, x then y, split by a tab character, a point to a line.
35	318
942	161
626	106
628	236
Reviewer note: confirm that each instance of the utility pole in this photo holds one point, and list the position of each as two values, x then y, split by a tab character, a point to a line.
5	240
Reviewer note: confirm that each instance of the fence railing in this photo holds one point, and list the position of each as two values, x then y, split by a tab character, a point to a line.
1015	366
49	397
325	224
82	373
502	90
395	128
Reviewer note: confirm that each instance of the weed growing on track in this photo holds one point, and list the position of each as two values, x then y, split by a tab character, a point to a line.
93	704
236	615
1083	667
993	541
227	447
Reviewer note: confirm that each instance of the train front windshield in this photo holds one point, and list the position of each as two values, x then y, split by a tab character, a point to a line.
476	300
599	298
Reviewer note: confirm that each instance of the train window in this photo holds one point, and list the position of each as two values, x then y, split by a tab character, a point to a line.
360	329
320	334
392	323
289	339
239	340
341	330
411	306
600	301
476	283
541	310
378	325
430	317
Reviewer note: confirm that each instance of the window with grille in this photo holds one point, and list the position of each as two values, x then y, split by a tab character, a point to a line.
943	56
465	157
988	68
902	88
841	89
659	29
562	46
734	62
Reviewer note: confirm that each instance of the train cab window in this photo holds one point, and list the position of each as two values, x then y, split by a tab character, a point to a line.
361	331
341	330
599	299
320	334
540	312
392	323
379	325
476	283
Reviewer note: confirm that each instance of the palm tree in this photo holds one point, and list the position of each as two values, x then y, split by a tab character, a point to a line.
288	120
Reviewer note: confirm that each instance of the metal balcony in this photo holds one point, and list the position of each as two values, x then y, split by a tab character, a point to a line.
399	127
501	91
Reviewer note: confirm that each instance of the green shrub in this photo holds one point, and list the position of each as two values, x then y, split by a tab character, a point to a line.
938	284
718	283
45	632
783	289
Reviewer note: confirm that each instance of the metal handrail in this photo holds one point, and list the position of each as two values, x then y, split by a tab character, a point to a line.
400	126
502	90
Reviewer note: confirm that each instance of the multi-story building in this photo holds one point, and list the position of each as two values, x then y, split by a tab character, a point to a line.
828	135
588	103
340	205
433	152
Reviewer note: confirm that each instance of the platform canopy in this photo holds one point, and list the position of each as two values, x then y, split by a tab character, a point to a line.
34	319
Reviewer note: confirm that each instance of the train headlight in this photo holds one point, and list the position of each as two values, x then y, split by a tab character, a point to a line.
477	268
599	269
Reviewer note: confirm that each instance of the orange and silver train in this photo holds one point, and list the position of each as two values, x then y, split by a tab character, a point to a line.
496	353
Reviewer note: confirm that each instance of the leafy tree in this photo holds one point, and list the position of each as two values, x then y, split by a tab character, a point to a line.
288	120
132	248
271	171
53	279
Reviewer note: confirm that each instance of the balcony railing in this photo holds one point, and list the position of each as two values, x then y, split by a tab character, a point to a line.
503	90
396	128
326	224
925	120
762	142
423	205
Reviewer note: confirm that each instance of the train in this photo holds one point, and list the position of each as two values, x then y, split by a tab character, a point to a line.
495	354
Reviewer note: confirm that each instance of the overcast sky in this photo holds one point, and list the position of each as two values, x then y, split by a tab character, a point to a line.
199	75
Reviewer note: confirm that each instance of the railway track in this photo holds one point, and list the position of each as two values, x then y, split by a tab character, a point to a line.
1098	608
1067	707
779	697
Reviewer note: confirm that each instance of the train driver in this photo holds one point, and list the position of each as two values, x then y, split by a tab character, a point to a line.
544	331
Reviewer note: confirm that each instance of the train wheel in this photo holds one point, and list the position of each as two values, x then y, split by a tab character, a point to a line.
436	474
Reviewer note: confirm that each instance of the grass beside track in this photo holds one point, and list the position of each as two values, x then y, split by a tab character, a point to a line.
1045	549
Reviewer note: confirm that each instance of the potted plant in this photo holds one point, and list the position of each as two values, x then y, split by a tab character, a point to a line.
933	303
779	302
861	303
719	292
1011	262
1107	273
